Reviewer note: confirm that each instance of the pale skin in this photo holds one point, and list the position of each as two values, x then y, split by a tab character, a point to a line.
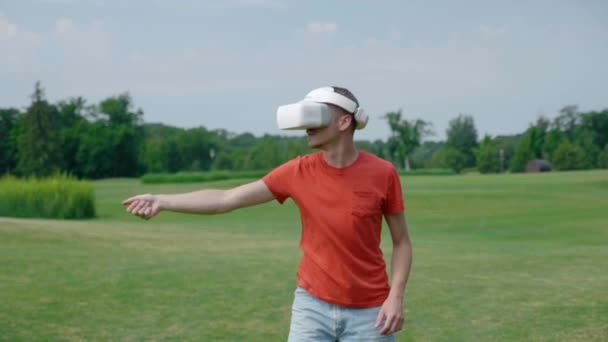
337	143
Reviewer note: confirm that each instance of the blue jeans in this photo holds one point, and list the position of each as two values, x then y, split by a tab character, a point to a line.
315	320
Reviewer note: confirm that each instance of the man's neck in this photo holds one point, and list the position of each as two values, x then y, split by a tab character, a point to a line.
340	155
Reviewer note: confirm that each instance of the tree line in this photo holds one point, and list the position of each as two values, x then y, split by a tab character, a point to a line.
111	139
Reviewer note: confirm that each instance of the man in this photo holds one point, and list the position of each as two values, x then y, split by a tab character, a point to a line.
342	194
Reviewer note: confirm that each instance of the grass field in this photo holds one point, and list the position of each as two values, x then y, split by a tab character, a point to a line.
506	257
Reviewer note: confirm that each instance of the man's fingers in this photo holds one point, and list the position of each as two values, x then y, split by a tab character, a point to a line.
132	199
396	326
387	325
137	207
150	212
379	318
142	209
132	206
400	324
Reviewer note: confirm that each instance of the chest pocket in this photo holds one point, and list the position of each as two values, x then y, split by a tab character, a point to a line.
366	202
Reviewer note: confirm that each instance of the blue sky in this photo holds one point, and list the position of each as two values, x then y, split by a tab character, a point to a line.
229	64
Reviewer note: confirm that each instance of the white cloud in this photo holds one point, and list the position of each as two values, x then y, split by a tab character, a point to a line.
63	25
7	29
322	27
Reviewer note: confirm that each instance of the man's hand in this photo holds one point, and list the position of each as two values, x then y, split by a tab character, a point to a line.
145	206
392	314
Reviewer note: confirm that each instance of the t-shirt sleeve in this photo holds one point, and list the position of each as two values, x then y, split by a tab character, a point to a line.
278	182
394	198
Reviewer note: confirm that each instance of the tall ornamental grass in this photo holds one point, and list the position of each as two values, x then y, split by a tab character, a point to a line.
59	196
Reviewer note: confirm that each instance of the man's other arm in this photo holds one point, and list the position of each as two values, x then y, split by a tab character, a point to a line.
392	309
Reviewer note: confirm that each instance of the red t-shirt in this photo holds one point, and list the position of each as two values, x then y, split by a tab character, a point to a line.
341	211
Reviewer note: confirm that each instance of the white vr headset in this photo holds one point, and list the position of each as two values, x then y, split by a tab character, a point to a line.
313	111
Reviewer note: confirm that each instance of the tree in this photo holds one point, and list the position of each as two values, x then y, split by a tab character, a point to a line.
584	140
170	155
8	120
567	121
533	144
296	146
422	155
596	123
39	145
523	154
95	156
379	148
587	130
449	157
563	127
195	147
488	157
537	134
72	124
569	156
592	135
112	144
126	135
506	144
243	140
603	158
406	136
462	136
264	155
155	155
553	138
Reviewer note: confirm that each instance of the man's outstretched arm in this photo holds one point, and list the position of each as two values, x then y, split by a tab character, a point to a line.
200	202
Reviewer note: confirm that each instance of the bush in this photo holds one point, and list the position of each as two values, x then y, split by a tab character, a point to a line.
59	196
196	177
568	156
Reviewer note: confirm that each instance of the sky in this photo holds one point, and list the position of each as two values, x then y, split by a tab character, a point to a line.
229	64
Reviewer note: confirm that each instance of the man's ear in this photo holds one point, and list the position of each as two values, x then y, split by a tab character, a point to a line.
345	122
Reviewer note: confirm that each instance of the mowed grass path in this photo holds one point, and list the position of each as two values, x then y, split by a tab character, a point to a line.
507	257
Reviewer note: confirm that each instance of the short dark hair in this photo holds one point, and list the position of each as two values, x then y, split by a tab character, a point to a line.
347	93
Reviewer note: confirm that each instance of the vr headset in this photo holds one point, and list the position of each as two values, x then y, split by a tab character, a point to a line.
313	111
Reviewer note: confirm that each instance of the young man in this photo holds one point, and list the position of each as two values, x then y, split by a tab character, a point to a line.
342	193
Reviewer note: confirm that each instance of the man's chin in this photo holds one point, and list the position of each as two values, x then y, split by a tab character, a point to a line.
313	143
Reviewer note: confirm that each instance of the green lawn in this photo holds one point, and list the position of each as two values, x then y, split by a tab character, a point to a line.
509	257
